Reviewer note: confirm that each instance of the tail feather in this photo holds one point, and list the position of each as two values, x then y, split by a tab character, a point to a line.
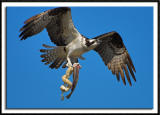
54	64
60	63
47	46
54	55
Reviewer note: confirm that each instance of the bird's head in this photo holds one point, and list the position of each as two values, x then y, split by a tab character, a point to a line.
92	43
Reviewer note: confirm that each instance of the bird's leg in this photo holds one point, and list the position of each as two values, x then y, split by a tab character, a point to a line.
69	64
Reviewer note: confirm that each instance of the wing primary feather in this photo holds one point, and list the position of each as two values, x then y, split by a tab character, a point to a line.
47	46
53	65
44	60
26	25
35	25
130	69
57	21
117	75
60	63
109	66
47	63
64	65
25	32
114	54
113	69
122	76
43	55
127	74
130	61
43	50
34	17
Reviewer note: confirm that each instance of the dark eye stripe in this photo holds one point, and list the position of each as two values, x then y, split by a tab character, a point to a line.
89	43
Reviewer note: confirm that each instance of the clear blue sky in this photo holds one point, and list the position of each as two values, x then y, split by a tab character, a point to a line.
31	84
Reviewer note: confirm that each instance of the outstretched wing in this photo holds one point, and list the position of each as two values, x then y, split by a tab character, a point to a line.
115	56
58	23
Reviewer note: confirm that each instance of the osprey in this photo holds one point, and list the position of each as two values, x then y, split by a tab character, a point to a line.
71	44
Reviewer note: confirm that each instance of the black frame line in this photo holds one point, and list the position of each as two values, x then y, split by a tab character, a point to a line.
80	0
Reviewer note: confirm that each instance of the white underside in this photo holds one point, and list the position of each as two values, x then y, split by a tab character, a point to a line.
77	47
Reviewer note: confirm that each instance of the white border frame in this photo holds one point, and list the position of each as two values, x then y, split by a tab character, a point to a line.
88	4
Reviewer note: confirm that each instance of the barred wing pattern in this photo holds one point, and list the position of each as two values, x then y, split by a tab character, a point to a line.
115	56
58	23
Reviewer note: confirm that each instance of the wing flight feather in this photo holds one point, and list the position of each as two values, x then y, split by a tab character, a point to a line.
115	55
58	23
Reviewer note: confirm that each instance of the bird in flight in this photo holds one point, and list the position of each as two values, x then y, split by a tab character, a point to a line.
70	44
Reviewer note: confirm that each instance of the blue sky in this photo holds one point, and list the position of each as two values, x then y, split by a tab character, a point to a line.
31	84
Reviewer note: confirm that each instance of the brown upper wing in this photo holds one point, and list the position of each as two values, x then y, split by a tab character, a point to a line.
115	56
58	23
